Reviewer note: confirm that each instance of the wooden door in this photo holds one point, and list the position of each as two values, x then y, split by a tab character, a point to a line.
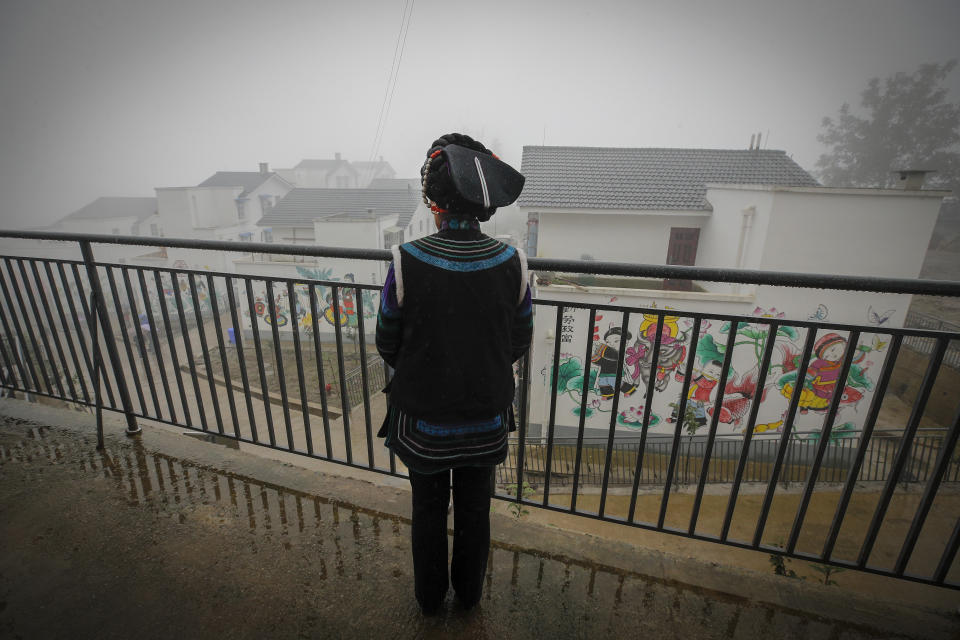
682	250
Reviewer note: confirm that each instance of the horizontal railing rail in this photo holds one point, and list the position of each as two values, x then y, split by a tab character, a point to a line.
651	438
738	276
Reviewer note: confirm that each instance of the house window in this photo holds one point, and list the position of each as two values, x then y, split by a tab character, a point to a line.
266	235
154	229
241	208
266	204
682	250
392	238
246	237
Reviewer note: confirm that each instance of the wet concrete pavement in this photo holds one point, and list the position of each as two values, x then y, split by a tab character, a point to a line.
167	537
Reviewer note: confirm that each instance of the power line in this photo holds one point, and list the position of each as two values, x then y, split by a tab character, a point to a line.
391	87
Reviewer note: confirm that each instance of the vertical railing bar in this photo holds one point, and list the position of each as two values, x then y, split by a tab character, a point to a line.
344	392
68	336
241	360
32	317
613	413
899	462
6	366
135	318
651	380
929	495
38	357
134	373
949	553
88	316
168	326
202	334
714	423
318	355
155	338
785	438
522	427
548	466
255	330
23	362
363	376
278	359
681	419
100	312
185	334
224	365
814	469
584	391
53	328
295	322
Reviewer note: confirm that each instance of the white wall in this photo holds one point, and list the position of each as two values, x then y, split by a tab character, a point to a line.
866	232
620	237
721	236
357	234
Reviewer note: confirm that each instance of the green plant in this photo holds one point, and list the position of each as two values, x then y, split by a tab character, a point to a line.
517	508
779	564
826	571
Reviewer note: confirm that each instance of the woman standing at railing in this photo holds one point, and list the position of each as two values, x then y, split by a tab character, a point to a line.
455	314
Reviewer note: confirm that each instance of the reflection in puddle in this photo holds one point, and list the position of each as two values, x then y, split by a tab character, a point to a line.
349	542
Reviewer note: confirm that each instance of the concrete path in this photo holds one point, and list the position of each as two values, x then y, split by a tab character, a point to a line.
163	536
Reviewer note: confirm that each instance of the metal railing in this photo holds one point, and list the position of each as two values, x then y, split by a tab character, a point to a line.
925	321
205	329
876	466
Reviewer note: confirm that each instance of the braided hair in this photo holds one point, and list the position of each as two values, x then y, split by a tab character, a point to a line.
437	184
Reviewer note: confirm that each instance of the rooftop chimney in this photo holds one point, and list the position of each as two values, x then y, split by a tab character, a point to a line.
753	137
264	168
911	179
336	156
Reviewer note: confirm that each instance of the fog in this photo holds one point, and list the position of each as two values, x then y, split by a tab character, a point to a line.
116	97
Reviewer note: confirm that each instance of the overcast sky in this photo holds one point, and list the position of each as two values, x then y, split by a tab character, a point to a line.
116	97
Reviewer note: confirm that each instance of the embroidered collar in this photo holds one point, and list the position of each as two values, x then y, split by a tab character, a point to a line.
459	223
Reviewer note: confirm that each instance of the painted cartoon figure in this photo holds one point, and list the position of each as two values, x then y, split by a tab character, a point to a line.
820	383
639	358
607	355
822	378
701	389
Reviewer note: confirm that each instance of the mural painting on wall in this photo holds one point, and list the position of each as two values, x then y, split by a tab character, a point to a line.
816	387
298	310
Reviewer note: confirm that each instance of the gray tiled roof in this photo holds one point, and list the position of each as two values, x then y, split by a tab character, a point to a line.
248	180
113	207
300	207
395	183
659	179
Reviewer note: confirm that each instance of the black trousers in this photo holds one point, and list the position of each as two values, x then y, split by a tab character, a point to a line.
471	534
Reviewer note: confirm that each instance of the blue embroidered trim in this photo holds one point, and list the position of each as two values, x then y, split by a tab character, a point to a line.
443	430
451	265
459	223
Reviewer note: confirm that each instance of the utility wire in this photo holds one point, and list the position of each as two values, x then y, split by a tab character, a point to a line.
391	87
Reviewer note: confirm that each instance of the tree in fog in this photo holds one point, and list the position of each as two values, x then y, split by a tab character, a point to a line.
906	123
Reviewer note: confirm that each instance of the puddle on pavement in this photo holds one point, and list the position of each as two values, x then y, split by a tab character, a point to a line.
353	542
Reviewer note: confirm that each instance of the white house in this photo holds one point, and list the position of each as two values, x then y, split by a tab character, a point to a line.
749	209
226	206
112	216
337	173
354	218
